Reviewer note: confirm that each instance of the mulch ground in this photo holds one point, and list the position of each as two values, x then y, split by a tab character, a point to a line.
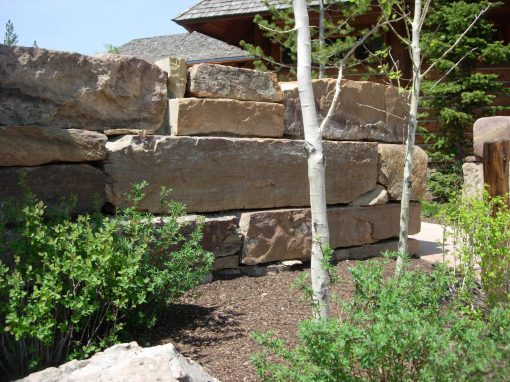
213	325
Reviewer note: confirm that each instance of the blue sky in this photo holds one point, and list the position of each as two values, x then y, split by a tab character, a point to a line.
85	26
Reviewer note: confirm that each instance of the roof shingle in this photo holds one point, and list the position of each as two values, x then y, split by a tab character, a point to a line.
193	47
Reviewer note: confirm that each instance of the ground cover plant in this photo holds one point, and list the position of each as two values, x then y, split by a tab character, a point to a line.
72	286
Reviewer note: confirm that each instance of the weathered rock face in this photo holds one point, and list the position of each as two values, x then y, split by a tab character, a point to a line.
378	195
219	81
177	73
219	233
365	111
69	90
51	183
373	250
35	145
473	178
391	171
127	362
226	262
286	234
195	116
221	174
489	129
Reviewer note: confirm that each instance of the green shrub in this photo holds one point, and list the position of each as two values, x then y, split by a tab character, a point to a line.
68	286
410	328
479	227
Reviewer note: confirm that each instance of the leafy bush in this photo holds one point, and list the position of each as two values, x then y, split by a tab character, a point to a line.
68	286
479	227
410	328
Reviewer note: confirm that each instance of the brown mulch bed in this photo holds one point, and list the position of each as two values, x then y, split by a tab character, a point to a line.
213	325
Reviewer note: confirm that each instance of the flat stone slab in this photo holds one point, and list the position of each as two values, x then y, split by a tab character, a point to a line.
219	174
391	171
35	145
489	129
70	90
219	81
374	250
51	183
365	111
286	234
196	116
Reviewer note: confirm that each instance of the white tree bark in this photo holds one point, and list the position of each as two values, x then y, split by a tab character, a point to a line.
316	163
322	67
411	132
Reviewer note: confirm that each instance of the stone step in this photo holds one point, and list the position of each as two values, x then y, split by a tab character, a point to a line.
197	116
286	234
220	174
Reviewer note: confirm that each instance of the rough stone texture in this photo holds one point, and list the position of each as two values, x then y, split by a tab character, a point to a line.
221	174
391	171
473	178
70	90
219	81
489	129
114	132
177	72
127	362
196	116
378	195
220	234
286	234
226	262
373	250
51	183
35	145
365	111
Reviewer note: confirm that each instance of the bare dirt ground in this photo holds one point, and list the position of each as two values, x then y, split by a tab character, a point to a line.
213	326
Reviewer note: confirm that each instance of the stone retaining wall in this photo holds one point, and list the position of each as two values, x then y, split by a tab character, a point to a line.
232	150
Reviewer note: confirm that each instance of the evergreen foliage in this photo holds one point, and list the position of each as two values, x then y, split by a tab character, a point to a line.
10	37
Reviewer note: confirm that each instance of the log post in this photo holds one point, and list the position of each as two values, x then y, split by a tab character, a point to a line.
496	157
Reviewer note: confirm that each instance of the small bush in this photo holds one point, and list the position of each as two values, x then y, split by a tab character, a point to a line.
68	286
410	328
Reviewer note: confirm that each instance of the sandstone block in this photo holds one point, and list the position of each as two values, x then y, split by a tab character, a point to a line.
177	72
489	129
391	171
286	234
127	362
373	250
52	183
195	116
220	234
365	111
220	174
378	195
219	81
70	90
35	145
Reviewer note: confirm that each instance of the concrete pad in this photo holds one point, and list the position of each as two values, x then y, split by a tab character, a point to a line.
431	239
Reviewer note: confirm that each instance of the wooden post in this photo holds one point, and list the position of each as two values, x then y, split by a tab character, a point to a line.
496	157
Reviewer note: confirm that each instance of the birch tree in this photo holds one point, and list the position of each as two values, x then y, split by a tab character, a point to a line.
316	162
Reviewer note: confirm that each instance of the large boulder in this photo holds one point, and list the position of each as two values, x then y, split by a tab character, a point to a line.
177	72
196	116
286	234
365	111
127	362
70	90
489	129
35	145
219	81
391	171
54	182
220	174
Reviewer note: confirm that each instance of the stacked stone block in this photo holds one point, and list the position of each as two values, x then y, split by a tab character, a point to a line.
230	147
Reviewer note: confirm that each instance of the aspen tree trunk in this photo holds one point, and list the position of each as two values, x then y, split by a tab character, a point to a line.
316	163
322	68
411	132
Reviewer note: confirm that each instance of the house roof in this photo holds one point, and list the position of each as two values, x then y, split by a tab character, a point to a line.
206	9
193	47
